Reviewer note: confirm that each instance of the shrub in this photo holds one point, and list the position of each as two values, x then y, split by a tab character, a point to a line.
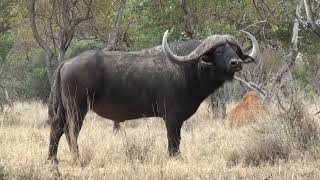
80	46
280	137
37	84
3	172
6	43
136	151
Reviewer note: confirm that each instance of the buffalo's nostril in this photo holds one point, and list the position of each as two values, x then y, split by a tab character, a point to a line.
236	63
233	63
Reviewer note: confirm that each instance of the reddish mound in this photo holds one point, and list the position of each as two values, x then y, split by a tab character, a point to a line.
249	109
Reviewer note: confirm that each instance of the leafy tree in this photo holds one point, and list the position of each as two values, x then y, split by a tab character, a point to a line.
143	24
60	19
6	14
6	43
79	46
150	19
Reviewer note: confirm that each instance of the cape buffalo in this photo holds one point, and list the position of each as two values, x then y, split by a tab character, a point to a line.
155	82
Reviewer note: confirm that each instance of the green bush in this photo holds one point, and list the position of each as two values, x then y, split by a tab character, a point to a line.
6	43
303	73
80	46
37	84
286	134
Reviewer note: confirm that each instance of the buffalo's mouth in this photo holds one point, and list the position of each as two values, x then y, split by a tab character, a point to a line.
237	69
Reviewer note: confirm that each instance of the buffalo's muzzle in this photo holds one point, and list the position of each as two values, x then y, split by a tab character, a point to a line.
236	65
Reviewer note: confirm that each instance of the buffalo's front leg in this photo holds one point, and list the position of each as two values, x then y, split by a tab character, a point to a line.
116	127
173	134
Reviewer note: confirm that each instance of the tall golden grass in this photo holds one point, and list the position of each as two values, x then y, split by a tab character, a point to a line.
283	146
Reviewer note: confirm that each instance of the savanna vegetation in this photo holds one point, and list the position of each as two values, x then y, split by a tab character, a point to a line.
36	35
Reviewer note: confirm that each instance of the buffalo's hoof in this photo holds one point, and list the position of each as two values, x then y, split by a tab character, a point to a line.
116	128
174	154
53	160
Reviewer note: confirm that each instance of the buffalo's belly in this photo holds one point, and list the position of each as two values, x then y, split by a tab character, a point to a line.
126	111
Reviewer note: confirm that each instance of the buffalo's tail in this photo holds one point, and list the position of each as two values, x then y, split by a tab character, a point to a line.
56	110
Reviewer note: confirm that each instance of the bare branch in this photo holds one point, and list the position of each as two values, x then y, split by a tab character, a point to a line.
293	54
251	85
270	14
256	7
216	15
70	21
87	16
314	27
266	5
254	24
34	28
280	103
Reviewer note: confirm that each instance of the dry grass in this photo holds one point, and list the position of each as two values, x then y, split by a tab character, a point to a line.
284	146
285	135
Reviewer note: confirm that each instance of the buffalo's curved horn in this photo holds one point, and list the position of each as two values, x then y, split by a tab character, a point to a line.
206	45
255	46
170	54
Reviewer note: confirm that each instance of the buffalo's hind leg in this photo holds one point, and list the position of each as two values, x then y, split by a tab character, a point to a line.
76	115
57	129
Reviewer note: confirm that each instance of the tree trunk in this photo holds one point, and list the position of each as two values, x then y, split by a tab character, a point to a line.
114	36
317	81
41	42
61	55
188	25
50	68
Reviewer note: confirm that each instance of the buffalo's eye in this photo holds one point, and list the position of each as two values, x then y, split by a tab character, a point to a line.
204	58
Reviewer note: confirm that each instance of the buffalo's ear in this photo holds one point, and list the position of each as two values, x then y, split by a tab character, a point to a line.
245	58
248	59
